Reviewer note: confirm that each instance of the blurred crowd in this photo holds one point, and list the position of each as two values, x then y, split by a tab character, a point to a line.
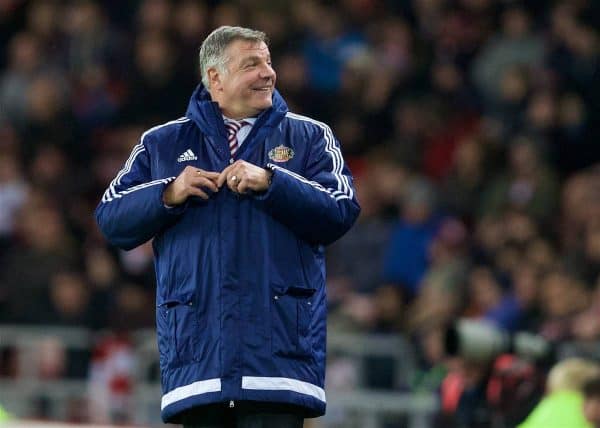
471	127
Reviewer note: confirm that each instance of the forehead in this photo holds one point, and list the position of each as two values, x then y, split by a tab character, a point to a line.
239	49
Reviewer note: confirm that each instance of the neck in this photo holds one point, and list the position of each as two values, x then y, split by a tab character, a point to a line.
233	116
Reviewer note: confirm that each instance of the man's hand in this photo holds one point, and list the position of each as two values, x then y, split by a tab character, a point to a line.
190	182
242	177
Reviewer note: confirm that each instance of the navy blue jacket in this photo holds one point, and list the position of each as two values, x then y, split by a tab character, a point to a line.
241	305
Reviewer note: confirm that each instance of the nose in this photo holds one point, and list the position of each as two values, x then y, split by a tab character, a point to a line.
267	72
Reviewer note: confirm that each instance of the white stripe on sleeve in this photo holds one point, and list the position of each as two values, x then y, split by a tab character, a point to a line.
334	151
138	187
337	195
111	193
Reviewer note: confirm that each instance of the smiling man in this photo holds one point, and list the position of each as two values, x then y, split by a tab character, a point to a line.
240	196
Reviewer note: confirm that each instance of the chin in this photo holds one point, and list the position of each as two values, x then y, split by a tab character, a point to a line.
264	104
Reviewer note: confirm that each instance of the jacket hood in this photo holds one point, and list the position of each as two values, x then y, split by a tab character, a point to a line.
207	115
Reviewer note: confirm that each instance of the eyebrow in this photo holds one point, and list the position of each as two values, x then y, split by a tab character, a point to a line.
254	58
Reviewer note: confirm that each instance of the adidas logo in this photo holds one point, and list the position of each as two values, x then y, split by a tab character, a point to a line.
188	155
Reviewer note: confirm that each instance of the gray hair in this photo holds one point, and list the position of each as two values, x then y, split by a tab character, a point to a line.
212	51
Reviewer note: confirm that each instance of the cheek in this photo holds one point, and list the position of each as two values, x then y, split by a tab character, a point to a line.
235	85
592	411
247	80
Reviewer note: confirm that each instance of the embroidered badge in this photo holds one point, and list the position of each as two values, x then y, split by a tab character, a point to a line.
281	153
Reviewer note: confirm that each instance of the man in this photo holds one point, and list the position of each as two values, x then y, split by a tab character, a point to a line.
563	404
591	401
4	415
240	196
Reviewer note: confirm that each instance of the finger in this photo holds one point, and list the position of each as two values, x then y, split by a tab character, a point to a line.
233	181
234	174
204	182
211	175
197	192
243	186
223	175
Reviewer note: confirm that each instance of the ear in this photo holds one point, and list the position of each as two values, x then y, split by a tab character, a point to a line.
214	79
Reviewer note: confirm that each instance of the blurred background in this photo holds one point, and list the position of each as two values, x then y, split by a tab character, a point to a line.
471	127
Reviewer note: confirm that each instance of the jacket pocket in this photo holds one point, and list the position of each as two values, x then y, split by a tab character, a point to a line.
177	330
291	315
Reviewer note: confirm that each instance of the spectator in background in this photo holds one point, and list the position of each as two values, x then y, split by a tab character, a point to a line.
586	325
48	172
525	279
155	81
573	120
110	384
13	194
24	64
4	415
509	109
104	276
190	23
329	45
580	206
407	255
89	38
294	81
465	182
442	291
490	300
94	102
529	185
44	243
369	235
517	44
409	122
591	401
48	116
562	298
225	13
44	22
153	16
69	299
563	404
574	54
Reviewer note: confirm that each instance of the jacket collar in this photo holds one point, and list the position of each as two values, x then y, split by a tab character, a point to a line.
208	117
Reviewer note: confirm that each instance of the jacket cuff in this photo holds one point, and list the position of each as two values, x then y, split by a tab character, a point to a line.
272	183
174	209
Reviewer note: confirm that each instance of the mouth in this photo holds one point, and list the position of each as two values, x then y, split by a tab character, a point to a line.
263	89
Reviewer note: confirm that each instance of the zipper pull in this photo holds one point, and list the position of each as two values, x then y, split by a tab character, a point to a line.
231	404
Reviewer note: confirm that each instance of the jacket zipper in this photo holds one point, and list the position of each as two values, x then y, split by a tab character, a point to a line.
231	404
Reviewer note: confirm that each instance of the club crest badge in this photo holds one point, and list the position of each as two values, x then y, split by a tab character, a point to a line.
281	153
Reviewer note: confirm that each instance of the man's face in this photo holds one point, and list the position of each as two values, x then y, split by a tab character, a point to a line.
591	410
247	87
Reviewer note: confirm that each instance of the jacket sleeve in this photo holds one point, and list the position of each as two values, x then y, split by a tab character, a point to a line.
320	206
131	210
